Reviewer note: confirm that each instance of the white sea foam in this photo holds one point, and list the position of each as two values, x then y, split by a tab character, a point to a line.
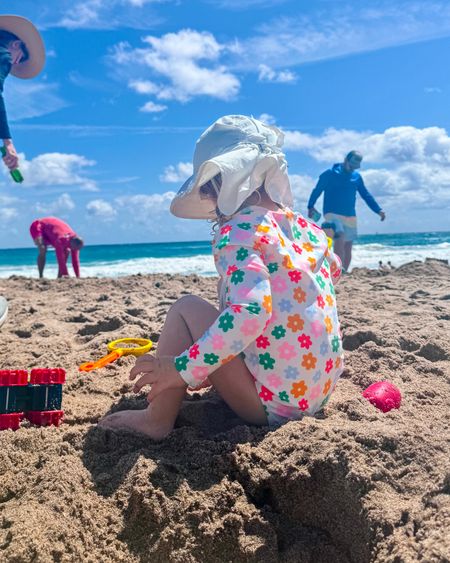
367	255
202	265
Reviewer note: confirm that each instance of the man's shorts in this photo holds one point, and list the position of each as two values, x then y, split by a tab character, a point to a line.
345	227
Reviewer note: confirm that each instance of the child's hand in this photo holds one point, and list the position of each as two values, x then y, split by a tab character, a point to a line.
160	373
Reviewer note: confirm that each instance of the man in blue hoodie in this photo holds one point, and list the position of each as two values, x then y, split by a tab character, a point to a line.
340	185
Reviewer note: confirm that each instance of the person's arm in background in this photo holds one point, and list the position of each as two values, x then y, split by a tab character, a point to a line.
316	193
61	256
10	159
76	262
370	200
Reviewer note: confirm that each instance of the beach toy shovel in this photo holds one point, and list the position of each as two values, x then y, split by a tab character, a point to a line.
119	348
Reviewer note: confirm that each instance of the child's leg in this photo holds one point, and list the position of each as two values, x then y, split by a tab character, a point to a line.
186	321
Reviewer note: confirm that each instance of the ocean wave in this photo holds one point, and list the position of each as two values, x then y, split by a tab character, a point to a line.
203	265
364	255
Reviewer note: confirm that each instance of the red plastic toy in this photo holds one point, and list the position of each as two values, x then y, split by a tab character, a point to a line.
36	398
383	395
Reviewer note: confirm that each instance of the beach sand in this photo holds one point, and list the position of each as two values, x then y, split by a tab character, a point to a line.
352	485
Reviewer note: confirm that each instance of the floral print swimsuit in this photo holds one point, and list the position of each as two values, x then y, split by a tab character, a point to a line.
278	310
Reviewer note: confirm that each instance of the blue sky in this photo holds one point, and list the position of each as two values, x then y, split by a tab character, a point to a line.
107	132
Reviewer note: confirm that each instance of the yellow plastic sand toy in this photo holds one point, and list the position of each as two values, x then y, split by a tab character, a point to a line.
134	346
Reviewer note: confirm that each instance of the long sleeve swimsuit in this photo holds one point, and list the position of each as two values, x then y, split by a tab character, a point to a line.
58	234
340	188
5	67
279	311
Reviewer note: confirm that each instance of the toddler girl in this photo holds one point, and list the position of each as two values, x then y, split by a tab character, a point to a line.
273	349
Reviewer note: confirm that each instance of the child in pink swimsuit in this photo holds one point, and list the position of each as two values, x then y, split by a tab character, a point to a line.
273	349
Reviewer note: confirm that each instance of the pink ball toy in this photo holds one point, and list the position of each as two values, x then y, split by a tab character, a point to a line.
383	395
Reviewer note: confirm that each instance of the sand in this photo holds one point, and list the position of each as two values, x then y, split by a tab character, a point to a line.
352	485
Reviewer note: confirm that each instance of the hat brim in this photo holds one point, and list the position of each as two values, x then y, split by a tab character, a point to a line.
188	203
28	33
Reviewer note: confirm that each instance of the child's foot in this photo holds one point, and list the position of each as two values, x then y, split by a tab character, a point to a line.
136	421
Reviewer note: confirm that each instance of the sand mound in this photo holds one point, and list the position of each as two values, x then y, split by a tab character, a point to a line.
354	485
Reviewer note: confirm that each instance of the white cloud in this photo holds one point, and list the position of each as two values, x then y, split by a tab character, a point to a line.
57	169
104	14
267	118
267	74
342	31
25	99
246	4
409	168
101	209
432	90
60	205
177	173
186	64
151	107
396	144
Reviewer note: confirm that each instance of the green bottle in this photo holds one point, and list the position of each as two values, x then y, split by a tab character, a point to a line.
16	174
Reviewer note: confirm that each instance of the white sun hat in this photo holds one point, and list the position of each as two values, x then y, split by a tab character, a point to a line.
29	34
247	154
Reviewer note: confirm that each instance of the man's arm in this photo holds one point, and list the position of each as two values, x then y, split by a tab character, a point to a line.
370	200
317	191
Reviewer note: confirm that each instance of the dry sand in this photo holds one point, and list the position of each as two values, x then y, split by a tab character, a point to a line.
354	485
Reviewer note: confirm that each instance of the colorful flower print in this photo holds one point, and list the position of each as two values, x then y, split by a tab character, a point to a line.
286	351
241	254
283	396
320	301
225	230
287	262
327	386
324	348
313	237
329	366
329	300
297	249
223	242
181	363
272	267
253	308
237	276
245	226
266	361
324	273
320	282
226	322
312	263
227	359
298	389
328	325
262	229
335	344
296	232
274	380
308	246
309	361
315	392
235	308
265	394
211	359
305	341
217	342
302	222
200	373
316	328
291	373
262	342
303	405
299	295
194	351
267	303
278	332
249	327
317	376
295	276
295	322
285	305
231	269
237	346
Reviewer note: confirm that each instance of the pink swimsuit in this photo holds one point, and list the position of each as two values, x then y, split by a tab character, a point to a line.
58	234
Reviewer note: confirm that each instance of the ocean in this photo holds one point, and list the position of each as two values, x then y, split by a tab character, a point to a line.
114	260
